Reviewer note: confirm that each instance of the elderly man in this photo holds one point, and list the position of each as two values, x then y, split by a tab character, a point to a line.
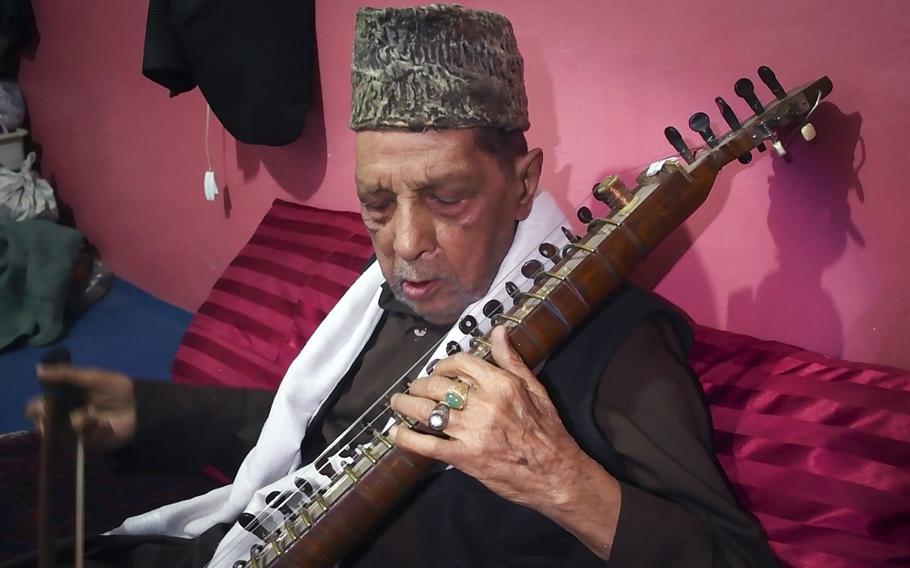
602	457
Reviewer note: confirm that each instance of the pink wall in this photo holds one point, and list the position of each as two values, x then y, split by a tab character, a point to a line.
810	252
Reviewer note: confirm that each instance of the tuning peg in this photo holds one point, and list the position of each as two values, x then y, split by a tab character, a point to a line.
549	251
613	192
585	215
250	524
701	123
531	268
676	139
468	325
492	308
728	114
511	289
768	78
745	89
570	236
734	123
807	132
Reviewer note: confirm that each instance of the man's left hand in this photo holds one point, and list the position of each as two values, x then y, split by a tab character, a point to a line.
508	435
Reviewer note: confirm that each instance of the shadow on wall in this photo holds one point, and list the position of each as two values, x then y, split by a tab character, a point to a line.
299	167
809	220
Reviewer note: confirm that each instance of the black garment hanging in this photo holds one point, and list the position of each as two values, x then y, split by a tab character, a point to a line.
254	62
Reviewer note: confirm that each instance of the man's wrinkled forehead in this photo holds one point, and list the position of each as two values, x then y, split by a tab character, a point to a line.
416	160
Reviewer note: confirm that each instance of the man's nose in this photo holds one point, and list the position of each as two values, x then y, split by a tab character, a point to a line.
414	233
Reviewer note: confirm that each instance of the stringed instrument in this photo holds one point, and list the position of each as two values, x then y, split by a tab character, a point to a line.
369	475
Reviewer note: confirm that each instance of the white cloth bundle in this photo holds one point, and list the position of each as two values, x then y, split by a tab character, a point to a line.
311	378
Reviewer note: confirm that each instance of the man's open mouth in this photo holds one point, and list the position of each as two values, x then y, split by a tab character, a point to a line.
418	290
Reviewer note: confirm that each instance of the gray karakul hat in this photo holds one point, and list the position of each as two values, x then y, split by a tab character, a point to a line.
436	67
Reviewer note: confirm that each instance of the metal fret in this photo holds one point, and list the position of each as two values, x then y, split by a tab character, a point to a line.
502	317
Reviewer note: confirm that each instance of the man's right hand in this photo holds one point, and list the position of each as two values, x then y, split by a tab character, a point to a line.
108	419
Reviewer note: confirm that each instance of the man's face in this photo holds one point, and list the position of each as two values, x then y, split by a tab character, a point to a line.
441	213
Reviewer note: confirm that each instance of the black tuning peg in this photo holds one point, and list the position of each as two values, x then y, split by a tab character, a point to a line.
770	79
745	89
701	123
733	122
549	251
676	139
570	236
585	215
531	268
248	522
468	325
728	114
492	308
452	348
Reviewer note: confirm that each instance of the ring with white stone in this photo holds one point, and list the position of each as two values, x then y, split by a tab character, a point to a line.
439	417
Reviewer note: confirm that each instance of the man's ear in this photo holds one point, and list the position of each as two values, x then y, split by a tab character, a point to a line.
527	170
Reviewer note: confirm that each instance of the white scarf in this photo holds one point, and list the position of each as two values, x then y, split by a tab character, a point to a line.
275	460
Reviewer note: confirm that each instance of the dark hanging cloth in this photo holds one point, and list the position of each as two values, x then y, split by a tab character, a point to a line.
17	30
254	62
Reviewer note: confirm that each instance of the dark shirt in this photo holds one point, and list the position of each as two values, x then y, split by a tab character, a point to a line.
400	344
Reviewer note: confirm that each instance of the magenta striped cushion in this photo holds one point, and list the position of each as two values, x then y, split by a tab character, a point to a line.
817	448
269	300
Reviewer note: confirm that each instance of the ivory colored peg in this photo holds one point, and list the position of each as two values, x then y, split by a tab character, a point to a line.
808	132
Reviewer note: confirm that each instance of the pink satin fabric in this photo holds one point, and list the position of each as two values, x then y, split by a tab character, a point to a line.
818	449
270	299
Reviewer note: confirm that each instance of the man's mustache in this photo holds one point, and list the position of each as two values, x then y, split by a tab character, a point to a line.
419	273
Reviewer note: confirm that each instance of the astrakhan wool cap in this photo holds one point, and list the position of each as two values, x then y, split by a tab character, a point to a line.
435	67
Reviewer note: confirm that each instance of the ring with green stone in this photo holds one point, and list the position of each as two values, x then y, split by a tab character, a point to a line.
456	396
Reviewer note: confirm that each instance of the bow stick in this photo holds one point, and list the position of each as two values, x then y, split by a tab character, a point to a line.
59	400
